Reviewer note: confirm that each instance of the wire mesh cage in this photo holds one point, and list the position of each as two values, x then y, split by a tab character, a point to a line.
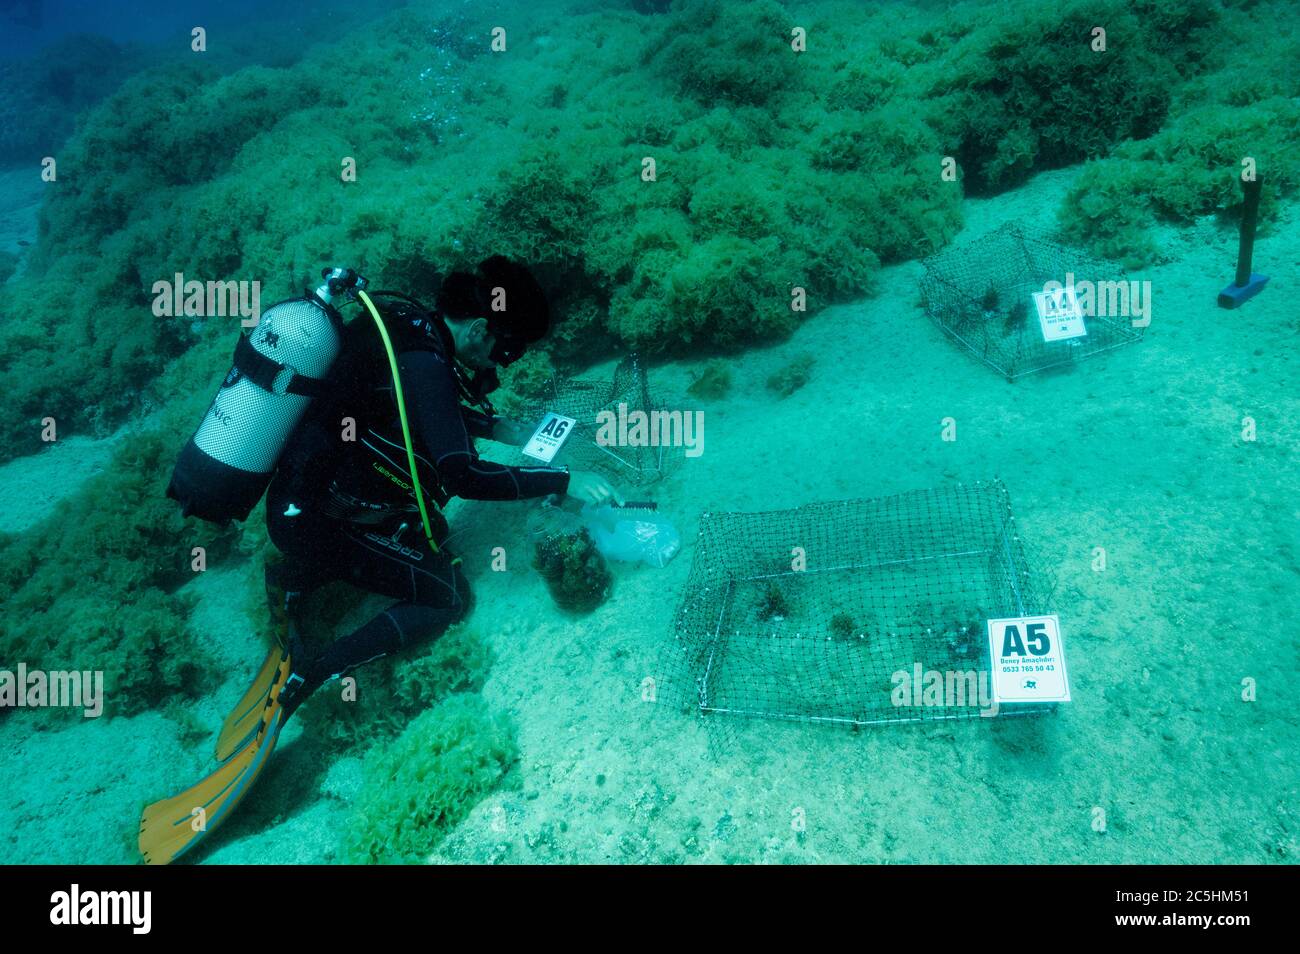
981	296
644	458
812	614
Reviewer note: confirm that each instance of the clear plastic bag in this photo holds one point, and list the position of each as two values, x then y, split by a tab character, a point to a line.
632	534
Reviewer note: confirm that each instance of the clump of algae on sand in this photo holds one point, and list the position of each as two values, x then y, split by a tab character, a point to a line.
424	782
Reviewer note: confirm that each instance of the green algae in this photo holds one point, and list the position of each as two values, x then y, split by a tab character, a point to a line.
390	692
773	169
791	376
424	782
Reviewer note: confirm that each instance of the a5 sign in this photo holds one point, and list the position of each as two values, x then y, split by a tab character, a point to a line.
1028	659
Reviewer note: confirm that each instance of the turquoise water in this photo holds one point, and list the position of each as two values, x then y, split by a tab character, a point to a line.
753	221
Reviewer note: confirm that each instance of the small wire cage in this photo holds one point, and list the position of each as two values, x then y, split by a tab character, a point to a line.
981	296
812	614
635	462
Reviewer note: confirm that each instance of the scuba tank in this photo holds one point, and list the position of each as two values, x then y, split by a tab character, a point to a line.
278	368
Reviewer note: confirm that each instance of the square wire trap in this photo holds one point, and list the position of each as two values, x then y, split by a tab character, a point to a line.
583	400
980	296
882	586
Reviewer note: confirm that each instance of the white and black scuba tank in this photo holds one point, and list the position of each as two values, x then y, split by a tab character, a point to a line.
278	369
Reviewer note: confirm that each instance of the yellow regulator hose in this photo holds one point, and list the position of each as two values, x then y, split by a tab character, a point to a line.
401	413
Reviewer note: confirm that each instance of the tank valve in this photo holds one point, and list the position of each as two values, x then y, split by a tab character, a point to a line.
339	281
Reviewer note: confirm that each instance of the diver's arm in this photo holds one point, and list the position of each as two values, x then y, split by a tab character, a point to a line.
478	424
434	410
503	430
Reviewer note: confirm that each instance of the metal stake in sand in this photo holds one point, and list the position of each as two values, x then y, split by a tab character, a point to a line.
1247	285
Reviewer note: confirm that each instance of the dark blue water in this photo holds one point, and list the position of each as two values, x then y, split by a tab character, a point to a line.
28	26
59	58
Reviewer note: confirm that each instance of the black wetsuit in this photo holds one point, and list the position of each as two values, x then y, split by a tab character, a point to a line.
345	509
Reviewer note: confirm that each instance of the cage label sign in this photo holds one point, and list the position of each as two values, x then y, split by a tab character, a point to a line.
1059	314
1028	659
549	436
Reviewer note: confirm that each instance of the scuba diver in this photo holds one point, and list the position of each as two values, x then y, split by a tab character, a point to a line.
363	433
